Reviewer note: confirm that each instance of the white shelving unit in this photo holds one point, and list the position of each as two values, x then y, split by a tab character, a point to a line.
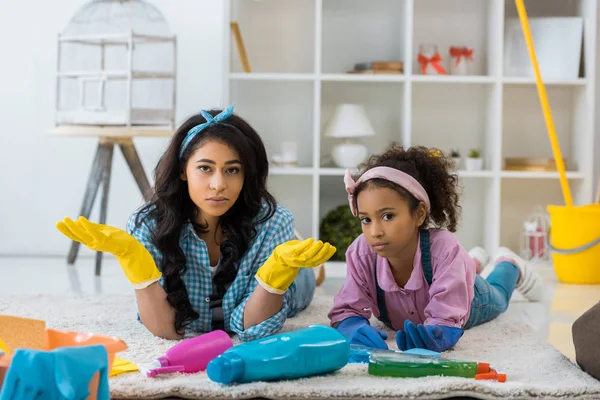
300	50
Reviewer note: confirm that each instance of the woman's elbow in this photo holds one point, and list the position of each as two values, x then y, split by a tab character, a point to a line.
162	331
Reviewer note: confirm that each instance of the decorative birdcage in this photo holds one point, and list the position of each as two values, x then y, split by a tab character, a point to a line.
534	238
116	67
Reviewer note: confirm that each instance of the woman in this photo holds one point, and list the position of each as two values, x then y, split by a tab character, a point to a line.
212	236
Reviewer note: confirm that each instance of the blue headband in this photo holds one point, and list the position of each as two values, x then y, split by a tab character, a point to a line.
210	120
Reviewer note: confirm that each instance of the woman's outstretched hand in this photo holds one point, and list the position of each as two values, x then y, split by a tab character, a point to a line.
135	260
281	268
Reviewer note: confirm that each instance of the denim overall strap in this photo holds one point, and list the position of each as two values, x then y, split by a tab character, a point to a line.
383	313
426	256
427	270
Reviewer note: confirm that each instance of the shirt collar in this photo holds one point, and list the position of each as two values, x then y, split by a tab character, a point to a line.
188	229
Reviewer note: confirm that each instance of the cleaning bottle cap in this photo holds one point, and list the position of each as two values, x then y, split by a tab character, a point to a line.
483	368
226	368
162	361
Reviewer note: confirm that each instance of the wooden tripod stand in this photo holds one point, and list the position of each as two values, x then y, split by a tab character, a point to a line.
100	176
100	173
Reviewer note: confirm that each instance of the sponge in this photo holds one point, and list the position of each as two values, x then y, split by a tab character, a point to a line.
17	332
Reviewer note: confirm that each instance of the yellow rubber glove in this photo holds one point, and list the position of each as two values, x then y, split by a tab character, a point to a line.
135	260
121	366
3	348
281	268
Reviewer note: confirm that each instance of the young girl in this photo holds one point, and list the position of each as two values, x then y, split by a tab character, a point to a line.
408	268
193	252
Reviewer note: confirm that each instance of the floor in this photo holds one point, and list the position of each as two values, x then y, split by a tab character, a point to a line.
551	318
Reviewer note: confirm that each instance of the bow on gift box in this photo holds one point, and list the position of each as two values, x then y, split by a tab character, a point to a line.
460	52
434	60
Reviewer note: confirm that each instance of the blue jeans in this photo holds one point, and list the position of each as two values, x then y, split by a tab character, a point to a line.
302	291
492	294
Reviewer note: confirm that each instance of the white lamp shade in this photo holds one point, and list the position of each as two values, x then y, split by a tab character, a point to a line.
348	121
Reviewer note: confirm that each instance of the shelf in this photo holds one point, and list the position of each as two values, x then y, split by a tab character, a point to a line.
332	171
294	91
461	173
539	174
266	76
454	79
363	78
116	75
115	39
300	171
475	174
515	80
459	79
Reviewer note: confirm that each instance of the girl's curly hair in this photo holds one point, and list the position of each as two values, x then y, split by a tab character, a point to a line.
432	170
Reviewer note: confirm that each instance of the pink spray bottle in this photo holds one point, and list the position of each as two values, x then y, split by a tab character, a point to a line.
191	355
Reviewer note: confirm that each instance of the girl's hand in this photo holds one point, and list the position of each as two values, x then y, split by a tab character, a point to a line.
359	331
437	338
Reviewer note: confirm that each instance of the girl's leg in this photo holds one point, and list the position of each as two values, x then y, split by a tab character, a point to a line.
493	294
530	284
303	291
480	258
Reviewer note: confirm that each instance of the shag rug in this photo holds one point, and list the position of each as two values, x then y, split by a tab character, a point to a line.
534	368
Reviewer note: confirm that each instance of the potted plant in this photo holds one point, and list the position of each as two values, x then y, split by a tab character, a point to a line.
474	162
340	228
455	156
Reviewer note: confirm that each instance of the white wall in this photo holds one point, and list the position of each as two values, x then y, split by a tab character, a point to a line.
43	178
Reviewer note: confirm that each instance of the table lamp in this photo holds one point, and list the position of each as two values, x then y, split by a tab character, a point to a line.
349	122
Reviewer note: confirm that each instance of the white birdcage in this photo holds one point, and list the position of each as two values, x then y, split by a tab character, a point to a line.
116	67
534	238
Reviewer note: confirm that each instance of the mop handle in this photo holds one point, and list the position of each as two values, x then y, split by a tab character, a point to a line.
545	105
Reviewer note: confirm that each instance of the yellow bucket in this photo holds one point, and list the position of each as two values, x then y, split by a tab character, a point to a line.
575	243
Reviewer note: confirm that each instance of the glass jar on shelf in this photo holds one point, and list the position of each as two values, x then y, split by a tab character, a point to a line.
461	61
430	60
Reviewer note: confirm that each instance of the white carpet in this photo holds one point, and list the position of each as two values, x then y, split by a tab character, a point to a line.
534	369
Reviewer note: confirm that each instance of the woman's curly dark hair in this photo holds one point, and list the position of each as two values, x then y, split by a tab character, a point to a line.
432	170
171	207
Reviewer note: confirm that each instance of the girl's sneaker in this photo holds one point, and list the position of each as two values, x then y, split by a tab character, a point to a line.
480	257
530	284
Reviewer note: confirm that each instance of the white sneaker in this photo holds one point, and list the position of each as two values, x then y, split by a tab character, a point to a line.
530	284
481	258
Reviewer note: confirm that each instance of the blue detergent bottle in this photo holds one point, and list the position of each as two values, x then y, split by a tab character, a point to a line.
310	351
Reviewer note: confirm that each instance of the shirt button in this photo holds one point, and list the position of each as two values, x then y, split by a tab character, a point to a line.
207	299
411	312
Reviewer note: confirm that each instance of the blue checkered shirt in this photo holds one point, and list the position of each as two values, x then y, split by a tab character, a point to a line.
197	278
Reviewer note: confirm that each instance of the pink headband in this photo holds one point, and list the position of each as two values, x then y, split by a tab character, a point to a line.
389	174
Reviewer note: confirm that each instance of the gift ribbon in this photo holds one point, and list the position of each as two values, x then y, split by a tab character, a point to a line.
435	62
460	52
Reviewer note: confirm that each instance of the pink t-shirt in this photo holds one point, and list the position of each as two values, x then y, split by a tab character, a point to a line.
447	302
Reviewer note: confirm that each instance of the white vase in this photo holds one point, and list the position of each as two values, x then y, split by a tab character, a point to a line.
473	164
349	154
456	162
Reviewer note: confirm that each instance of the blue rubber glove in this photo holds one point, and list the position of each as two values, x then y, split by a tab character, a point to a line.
63	373
359	331
30	376
75	367
431	337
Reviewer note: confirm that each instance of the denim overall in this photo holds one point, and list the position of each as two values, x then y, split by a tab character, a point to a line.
491	296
